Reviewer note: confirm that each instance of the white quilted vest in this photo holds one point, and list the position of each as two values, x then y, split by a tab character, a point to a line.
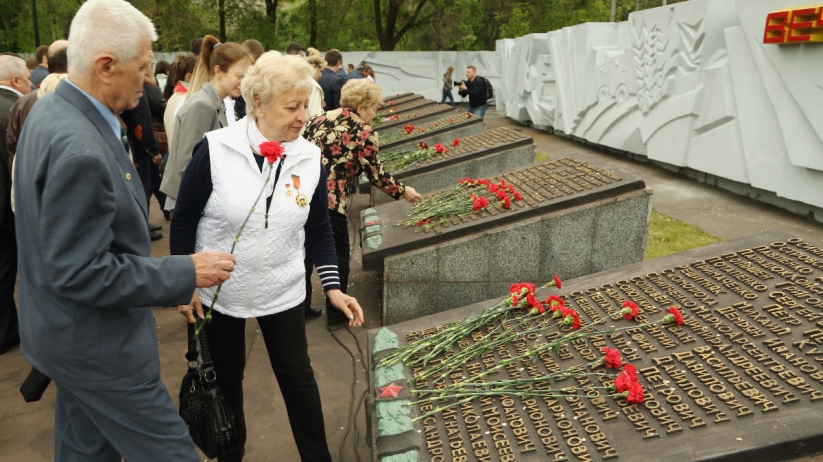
269	275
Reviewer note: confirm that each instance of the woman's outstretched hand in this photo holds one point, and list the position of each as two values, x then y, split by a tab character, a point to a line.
348	305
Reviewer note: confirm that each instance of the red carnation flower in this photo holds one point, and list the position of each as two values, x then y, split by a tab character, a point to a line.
507	203
517	196
630	310
635	393
532	301
612	358
271	150
501	195
554	300
624	379
456	142
557	282
571	318
674	316
391	102
420	129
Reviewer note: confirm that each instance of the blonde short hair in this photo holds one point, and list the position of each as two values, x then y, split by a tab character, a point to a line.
360	92
273	75
316	61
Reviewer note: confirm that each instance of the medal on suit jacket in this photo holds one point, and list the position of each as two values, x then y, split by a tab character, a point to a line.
288	191
301	199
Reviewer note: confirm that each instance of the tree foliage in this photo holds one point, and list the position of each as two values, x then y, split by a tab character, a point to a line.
362	25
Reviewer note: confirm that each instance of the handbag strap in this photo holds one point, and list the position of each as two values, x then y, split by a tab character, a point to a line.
191	354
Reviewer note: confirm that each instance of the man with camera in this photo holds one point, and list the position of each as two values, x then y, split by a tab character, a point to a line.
475	89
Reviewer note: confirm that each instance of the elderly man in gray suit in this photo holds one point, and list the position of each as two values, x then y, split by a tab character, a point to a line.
86	279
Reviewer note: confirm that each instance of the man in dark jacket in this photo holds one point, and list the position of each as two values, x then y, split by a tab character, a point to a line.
475	89
330	81
14	83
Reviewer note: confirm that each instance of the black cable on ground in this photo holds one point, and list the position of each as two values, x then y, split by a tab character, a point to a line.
362	396
353	385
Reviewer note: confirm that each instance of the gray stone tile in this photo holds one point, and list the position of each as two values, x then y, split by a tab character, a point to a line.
407	300
455	295
621	231
566	246
417	265
514	252
465	259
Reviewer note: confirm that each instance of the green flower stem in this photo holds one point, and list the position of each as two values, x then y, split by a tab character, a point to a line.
233	245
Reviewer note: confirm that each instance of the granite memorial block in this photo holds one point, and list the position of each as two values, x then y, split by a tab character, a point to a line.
400	98
740	380
405	108
564	217
477	156
420	114
443	130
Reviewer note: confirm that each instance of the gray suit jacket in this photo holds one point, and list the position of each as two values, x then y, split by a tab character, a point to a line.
200	114
85	276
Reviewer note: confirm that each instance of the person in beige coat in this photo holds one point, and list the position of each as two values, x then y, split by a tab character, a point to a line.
218	73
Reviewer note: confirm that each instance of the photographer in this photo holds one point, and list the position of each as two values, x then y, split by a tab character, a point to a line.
475	89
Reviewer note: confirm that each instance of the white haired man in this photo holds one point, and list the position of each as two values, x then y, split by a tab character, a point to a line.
86	280
14	83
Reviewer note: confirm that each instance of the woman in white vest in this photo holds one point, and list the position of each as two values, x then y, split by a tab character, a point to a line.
217	190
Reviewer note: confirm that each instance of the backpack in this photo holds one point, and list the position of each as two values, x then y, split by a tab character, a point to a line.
489	91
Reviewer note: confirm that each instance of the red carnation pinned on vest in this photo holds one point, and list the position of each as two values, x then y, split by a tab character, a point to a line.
674	317
630	310
272	151
612	358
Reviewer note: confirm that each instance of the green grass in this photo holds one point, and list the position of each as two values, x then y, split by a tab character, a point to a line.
540	157
669	236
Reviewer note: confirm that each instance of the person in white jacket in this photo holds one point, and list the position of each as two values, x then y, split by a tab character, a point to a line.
217	191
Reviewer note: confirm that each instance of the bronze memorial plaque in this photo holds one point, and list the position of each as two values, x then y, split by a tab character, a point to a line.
738	378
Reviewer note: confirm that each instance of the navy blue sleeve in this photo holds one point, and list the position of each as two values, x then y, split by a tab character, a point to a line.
478	89
319	236
195	190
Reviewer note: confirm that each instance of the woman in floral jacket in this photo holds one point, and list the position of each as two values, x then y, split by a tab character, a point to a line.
349	147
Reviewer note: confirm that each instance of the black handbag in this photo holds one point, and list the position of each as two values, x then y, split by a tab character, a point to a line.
202	406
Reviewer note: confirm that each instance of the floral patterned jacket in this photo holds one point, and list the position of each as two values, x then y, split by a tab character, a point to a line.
348	146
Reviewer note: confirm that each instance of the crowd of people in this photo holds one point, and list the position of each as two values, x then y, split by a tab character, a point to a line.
92	128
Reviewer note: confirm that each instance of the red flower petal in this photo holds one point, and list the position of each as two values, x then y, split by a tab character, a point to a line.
271	150
456	142
557	282
630	310
612	357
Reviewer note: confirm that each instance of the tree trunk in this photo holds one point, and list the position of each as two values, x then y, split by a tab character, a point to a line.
313	23
613	16
390	36
271	13
221	12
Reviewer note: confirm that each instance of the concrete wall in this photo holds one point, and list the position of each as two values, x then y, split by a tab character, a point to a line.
691	86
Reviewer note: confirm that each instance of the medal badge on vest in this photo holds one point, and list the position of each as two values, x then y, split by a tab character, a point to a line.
301	199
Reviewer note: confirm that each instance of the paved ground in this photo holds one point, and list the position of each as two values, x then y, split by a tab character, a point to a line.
26	430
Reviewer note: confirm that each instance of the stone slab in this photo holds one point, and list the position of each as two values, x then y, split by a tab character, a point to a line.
400	98
738	382
420	114
478	156
409	106
443	130
547	187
